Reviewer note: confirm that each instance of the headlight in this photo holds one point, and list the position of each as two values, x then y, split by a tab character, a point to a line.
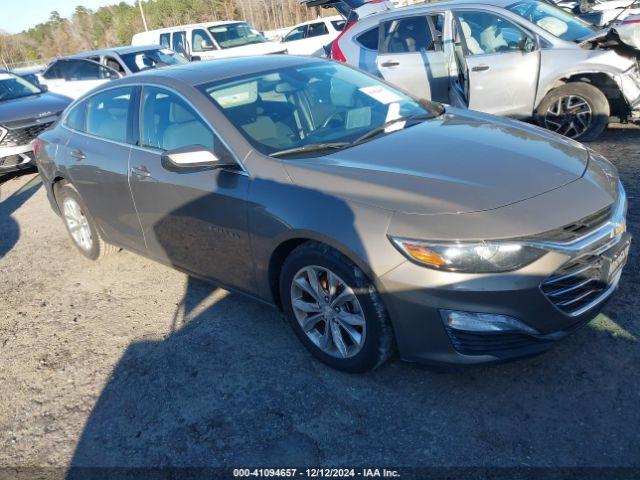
481	257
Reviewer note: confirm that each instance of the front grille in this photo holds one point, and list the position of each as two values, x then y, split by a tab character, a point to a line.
582	283
580	228
492	343
23	135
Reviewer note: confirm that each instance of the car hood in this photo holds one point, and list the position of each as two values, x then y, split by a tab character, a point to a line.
32	107
626	34
459	162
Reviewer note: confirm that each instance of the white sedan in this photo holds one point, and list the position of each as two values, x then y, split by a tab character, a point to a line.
310	38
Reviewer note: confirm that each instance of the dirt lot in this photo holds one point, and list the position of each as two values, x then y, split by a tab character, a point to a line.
128	363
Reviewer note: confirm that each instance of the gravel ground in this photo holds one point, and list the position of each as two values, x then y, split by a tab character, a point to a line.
128	363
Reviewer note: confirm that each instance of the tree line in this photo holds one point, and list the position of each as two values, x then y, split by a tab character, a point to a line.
115	24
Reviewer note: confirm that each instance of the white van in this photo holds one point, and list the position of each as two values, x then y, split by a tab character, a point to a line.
207	41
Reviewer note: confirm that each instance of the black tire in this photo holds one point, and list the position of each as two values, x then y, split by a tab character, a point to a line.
595	99
99	248
379	342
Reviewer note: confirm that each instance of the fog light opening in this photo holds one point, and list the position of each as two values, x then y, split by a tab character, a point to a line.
484	322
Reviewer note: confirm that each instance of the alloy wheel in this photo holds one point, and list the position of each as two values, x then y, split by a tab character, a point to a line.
569	115
77	223
328	311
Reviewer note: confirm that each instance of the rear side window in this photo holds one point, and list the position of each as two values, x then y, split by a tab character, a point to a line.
107	114
369	39
76	117
317	30
407	35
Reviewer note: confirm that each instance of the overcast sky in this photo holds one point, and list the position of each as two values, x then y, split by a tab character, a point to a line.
18	15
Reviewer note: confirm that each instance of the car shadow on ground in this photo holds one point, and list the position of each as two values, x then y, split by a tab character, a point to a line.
9	228
216	392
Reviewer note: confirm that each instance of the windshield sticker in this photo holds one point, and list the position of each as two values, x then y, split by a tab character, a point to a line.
218	29
166	51
381	94
392	114
359	118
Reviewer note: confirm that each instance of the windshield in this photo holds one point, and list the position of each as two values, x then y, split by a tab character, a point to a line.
147	59
236	35
312	104
12	87
554	20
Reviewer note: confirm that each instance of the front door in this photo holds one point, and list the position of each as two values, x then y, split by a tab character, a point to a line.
194	220
97	157
411	55
502	63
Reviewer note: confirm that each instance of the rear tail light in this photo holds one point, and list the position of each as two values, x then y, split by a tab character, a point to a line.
629	21
36	146
336	52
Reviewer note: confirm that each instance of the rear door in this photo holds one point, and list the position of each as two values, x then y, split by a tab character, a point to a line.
97	158
411	55
194	220
502	61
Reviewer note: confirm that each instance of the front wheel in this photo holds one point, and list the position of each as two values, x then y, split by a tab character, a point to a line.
576	110
334	309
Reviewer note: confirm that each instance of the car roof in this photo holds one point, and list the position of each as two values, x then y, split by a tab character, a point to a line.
319	19
118	50
197	73
193	25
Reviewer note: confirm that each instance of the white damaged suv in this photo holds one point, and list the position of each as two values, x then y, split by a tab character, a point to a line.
524	59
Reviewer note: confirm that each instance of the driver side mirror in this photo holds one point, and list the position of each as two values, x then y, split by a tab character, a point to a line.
43	88
192	157
528	44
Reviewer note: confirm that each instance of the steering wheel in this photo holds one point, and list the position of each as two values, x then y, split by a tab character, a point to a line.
333	116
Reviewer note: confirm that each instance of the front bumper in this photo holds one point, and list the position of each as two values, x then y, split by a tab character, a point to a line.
417	296
16	158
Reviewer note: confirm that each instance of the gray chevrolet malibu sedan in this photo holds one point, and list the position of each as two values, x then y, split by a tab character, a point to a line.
375	221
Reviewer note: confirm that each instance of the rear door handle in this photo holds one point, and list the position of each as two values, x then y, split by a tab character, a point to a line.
78	154
140	171
480	68
391	63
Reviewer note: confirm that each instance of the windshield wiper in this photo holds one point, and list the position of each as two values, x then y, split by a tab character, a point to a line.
378	130
312	147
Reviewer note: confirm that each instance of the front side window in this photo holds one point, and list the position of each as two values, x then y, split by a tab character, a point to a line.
168	122
556	21
236	35
55	71
295	34
338	24
114	64
201	41
12	87
148	59
76	70
407	35
488	33
107	114
309	104
317	30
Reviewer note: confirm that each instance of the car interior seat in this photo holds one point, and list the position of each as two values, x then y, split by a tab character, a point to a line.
472	44
185	129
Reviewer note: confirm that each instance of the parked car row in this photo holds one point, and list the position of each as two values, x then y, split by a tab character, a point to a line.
523	59
374	219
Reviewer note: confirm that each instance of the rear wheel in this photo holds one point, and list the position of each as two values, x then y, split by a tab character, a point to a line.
81	227
335	309
576	110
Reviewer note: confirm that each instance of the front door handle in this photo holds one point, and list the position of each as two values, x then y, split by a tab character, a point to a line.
480	68
140	171
391	63
78	154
